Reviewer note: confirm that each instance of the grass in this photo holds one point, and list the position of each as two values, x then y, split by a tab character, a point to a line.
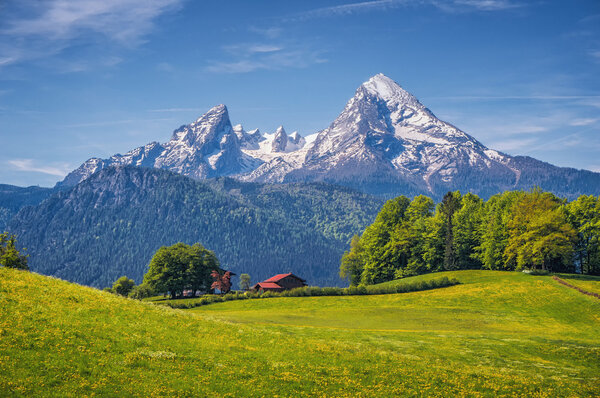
495	334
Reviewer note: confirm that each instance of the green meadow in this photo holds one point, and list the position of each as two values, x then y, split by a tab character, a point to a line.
495	334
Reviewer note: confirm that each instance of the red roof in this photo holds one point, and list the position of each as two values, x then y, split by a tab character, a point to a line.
279	277
269	285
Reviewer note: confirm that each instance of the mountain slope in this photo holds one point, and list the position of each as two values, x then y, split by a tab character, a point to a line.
384	142
13	198
112	223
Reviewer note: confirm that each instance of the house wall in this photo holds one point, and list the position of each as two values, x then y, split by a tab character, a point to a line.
289	282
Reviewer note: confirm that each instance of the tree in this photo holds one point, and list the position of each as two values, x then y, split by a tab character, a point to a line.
10	257
201	262
178	267
123	286
419	215
450	204
467	232
244	282
539	234
493	230
584	216
383	253
221	282
352	263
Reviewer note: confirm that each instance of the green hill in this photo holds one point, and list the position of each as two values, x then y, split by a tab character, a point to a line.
496	334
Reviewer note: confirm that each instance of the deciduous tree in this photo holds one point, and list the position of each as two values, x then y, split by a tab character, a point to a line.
178	267
221	282
539	234
123	286
244	282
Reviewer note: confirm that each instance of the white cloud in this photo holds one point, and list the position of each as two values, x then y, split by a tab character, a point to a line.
349	8
595	54
172	110
29	165
583	122
270	33
251	57
488	5
520	97
248	49
513	145
264	48
46	28
444	5
121	20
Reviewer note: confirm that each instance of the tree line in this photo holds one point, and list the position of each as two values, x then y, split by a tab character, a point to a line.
514	230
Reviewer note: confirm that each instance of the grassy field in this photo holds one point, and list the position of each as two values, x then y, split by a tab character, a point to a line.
496	334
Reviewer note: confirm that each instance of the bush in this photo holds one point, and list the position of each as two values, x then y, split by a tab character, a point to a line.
123	286
141	292
537	272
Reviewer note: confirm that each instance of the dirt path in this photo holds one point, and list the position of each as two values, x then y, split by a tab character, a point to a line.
556	278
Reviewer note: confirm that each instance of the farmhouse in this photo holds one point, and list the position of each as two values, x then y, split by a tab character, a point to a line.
279	283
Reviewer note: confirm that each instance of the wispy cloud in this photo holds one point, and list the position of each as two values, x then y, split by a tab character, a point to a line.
111	123
349	8
519	97
173	110
513	145
378	5
272	32
249	57
41	29
595	54
583	122
487	5
60	170
247	49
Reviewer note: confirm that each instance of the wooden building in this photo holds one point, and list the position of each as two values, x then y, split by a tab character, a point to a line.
279	283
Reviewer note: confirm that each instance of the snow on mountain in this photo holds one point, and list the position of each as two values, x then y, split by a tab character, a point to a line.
384	142
385	134
208	147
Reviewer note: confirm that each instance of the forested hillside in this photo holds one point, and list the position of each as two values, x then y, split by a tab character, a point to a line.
13	198
111	225
515	230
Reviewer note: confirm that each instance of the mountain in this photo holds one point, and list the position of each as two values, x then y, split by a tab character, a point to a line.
111	224
208	147
384	142
13	198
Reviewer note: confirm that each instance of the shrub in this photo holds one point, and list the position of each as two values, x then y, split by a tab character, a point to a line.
141	292
537	272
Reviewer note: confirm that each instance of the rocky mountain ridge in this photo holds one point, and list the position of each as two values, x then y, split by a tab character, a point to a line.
384	142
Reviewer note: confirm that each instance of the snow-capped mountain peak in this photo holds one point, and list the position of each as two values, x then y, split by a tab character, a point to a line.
388	90
205	128
384	141
280	140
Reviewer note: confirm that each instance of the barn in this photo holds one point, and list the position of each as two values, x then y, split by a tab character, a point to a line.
279	283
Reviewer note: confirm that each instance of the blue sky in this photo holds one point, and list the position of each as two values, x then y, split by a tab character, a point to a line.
92	78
